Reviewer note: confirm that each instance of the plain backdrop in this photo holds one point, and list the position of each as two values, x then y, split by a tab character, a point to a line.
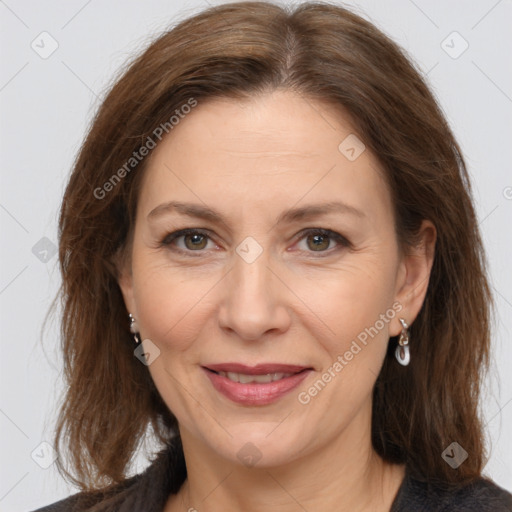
57	60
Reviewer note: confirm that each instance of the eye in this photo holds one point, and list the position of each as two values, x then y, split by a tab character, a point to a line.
193	240
320	240
317	240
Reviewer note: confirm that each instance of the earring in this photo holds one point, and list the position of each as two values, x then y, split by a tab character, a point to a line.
402	354
134	329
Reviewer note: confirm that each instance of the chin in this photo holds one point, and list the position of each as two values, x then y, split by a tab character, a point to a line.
259	444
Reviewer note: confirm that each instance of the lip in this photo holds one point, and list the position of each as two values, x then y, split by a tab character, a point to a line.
254	393
259	369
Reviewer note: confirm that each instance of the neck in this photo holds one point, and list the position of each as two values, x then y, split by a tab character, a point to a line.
345	474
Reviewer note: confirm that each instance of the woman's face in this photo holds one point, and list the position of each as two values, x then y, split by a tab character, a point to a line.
256	291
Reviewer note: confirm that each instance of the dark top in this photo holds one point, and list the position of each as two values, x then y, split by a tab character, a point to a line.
149	491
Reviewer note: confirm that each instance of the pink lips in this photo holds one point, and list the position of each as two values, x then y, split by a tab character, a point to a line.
259	369
255	393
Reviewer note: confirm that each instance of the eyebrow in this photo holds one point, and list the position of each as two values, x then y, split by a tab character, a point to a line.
292	215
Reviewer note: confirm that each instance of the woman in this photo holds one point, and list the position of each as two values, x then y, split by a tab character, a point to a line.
271	260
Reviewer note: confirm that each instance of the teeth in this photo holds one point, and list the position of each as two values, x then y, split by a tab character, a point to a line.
261	379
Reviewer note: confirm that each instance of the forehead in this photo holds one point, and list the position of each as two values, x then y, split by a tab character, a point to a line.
269	151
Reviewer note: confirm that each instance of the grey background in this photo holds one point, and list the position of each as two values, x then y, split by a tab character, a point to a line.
47	104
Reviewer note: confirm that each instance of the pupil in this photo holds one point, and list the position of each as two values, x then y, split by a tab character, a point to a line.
195	240
319	241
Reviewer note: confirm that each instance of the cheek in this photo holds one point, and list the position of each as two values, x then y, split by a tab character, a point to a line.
348	304
357	308
172	304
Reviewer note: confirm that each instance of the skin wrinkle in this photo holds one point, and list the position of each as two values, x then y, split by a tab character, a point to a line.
286	306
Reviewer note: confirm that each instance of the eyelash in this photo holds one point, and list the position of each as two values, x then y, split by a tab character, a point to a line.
171	237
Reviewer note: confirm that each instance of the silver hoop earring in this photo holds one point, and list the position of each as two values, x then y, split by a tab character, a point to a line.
134	329
402	353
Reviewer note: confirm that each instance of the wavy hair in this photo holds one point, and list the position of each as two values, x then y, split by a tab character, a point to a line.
323	52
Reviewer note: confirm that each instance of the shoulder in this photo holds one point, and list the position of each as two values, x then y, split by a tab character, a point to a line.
481	495
85	501
121	497
145	492
72	503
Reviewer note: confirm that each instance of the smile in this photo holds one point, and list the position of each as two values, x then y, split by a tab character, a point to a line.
247	379
258	385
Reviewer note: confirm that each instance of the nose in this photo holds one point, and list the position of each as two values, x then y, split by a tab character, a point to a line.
254	300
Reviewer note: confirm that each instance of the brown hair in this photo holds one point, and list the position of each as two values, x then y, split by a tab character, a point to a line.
323	52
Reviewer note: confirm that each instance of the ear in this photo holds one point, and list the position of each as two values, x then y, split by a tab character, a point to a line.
414	275
125	281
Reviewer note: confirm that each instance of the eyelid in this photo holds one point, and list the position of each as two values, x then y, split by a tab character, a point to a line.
334	235
337	237
169	238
